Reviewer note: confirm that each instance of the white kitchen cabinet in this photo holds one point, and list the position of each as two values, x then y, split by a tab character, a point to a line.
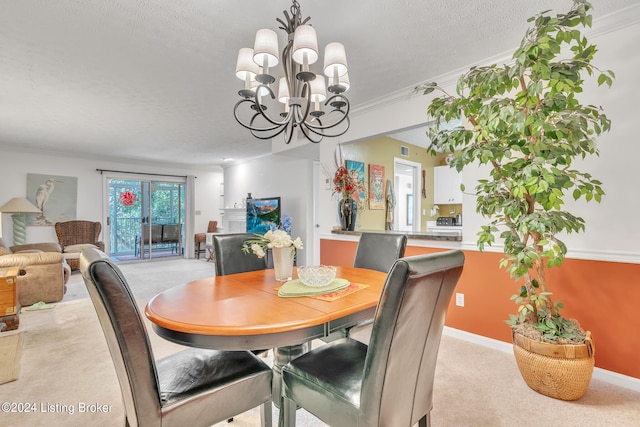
446	184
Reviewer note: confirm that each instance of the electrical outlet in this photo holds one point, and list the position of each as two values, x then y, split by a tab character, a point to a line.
460	300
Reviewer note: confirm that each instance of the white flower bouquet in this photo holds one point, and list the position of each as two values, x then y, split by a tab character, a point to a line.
271	239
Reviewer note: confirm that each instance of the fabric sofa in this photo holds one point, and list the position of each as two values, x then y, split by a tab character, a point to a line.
44	272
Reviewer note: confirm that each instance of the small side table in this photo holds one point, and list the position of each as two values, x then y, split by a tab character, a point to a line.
9	305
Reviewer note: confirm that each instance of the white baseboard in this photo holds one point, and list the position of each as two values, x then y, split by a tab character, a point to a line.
599	374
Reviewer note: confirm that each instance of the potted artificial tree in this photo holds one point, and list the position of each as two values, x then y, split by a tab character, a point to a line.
524	122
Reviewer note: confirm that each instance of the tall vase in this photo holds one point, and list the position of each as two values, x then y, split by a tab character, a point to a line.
283	263
348	211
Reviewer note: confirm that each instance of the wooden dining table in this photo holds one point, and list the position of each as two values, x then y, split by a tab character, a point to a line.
244	312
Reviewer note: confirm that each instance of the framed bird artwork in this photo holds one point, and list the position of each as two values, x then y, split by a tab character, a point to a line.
56	197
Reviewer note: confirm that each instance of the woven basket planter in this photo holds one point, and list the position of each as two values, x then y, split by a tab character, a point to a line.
555	370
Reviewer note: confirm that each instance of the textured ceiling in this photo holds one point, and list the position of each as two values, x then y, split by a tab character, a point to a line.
153	80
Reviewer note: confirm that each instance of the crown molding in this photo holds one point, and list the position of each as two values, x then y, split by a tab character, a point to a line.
614	21
603	25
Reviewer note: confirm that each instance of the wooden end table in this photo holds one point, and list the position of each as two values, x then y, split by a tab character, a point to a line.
9	305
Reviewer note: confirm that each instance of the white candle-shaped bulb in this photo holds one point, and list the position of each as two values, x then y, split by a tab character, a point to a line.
265	49
305	41
245	66
283	91
318	91
344	82
335	60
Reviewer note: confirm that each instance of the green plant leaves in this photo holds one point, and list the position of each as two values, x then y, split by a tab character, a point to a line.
527	123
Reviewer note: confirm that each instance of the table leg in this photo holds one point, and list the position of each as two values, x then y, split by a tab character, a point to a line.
282	356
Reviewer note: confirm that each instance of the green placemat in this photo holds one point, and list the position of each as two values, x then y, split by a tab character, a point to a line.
295	288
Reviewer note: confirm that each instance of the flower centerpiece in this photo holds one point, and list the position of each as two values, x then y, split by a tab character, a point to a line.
283	247
348	184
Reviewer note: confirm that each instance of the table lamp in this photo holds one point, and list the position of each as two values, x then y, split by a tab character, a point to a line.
19	206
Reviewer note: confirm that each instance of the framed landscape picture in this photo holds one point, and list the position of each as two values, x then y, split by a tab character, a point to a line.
376	187
262	214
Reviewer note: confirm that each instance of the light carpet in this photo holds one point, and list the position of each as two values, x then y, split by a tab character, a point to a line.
67	376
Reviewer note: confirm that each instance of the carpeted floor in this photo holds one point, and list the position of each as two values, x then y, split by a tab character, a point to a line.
67	376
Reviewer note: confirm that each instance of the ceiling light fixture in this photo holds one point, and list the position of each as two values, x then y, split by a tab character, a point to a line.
303	93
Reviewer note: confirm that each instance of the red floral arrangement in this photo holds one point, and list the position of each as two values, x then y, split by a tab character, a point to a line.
127	198
347	183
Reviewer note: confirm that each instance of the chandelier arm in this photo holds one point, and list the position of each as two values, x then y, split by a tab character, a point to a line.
250	125
302	118
259	132
261	110
270	136
289	135
257	129
324	130
345	115
304	127
329	134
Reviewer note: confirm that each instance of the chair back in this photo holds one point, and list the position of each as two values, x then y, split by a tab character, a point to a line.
213	227
77	232
156	233
378	251
171	233
400	364
126	337
229	257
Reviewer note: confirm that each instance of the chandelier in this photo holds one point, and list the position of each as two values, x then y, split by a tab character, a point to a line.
302	101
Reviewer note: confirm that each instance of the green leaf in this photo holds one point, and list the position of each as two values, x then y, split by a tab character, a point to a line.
529	137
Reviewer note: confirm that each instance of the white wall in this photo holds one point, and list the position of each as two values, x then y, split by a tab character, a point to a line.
17	164
288	177
612	227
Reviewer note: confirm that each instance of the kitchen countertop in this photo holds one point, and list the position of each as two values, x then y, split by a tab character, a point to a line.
452	236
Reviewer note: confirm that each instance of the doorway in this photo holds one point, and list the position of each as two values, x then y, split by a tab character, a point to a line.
145	219
406	176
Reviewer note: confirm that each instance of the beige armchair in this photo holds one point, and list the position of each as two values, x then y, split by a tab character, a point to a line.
44	272
76	235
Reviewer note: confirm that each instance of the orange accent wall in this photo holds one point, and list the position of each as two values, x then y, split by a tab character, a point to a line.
603	296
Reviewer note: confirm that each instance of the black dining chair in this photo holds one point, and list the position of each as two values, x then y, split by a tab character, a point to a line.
375	251
193	387
390	381
230	259
227	250
378	251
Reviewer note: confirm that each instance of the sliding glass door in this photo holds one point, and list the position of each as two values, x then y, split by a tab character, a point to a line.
146	219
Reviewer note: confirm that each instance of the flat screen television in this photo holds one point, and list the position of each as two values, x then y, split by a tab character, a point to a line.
263	214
